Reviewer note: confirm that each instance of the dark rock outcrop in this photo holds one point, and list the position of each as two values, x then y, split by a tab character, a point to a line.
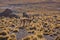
8	13
25	15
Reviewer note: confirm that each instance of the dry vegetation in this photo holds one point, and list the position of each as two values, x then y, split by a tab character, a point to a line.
38	25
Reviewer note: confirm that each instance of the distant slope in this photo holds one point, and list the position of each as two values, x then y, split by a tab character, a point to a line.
31	6
25	1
